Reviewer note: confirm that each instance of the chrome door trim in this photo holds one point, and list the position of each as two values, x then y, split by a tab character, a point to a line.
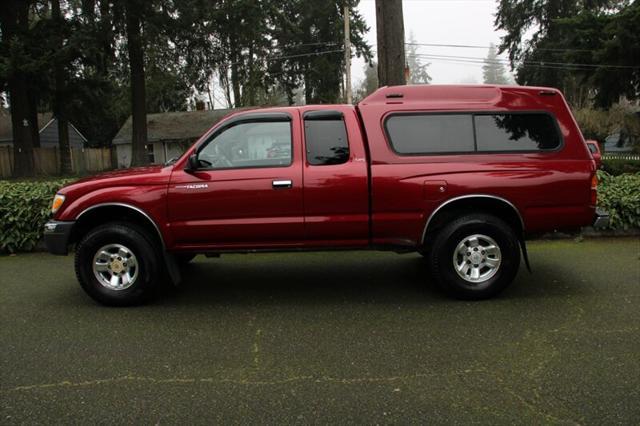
137	209
462	197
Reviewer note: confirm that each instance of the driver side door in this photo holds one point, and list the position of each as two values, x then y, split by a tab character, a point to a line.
247	189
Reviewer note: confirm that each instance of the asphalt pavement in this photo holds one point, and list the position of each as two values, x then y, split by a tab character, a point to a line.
355	337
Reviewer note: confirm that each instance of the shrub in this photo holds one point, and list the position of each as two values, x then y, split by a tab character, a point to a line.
598	124
620	196
24	208
618	167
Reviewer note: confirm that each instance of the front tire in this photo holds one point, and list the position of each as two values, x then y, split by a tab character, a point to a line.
475	256
117	264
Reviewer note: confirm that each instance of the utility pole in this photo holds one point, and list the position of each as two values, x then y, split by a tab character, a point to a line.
391	60
347	54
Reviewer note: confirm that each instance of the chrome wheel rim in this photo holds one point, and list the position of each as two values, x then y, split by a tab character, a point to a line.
477	258
115	267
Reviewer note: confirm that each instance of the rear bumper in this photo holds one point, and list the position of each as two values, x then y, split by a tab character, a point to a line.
57	235
601	219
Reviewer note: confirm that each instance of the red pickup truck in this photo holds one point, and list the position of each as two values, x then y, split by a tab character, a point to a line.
460	174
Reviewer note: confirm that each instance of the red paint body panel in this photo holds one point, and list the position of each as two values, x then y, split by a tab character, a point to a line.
336	197
550	190
239	207
376	198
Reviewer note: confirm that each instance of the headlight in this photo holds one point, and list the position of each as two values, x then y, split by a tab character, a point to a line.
57	203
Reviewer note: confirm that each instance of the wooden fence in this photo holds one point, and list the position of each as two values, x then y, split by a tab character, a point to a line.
47	161
621	156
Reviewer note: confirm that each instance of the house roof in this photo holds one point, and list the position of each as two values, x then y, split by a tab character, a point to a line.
174	126
49	135
6	129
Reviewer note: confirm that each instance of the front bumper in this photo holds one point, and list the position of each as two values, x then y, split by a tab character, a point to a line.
601	219
57	235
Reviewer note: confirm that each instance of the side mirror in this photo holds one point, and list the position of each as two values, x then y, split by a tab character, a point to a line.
192	164
594	149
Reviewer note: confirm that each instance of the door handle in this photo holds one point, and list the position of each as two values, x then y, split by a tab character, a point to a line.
278	184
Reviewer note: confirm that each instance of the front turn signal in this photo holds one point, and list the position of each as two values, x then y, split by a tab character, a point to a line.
57	203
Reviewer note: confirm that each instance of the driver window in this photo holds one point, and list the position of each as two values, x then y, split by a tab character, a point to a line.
246	145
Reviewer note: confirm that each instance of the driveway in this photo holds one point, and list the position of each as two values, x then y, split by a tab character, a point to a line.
355	337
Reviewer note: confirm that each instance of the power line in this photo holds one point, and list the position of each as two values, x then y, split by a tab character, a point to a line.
526	62
474	46
299	55
319	43
324	52
456	46
482	63
479	63
459	59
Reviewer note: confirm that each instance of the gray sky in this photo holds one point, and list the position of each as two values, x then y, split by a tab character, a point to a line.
467	22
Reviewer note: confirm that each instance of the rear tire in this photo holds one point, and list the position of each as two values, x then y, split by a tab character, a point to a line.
118	264
475	256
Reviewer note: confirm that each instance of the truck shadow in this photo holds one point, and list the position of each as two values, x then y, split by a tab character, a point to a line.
378	278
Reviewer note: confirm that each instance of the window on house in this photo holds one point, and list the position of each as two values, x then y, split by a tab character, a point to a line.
151	159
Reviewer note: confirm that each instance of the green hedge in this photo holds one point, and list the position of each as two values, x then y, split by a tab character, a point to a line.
620	196
618	167
24	208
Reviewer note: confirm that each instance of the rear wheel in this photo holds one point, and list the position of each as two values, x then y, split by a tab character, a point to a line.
117	264
475	256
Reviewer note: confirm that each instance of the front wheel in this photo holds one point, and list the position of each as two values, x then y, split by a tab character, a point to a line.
475	256
117	264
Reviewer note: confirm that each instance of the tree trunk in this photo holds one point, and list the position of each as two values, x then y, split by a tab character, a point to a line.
235	74
33	116
14	23
89	11
59	109
106	55
237	94
136	66
224	82
22	127
251	89
390	32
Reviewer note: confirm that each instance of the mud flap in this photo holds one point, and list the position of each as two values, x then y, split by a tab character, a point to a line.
173	269
523	246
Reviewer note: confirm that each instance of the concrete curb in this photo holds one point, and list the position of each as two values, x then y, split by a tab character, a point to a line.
590	232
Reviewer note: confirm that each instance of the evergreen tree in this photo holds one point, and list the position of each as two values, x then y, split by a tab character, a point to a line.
369	84
309	39
19	68
588	49
95	62
493	70
417	70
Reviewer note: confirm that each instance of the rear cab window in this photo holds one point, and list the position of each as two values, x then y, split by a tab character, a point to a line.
326	140
453	133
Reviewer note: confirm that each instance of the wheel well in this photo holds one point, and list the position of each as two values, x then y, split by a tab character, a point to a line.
474	204
110	213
